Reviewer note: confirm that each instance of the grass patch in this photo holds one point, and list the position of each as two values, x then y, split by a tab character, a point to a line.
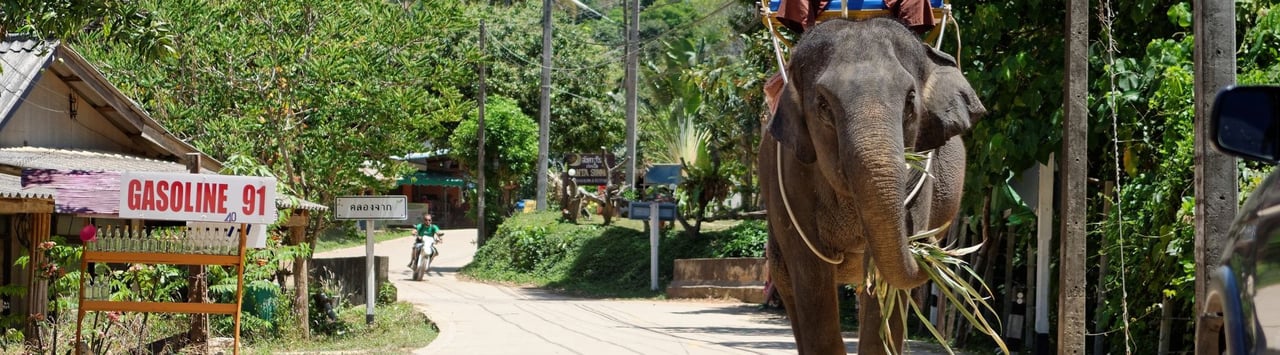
335	240
397	328
588	259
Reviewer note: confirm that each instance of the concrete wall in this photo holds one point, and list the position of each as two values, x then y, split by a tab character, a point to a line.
350	273
738	278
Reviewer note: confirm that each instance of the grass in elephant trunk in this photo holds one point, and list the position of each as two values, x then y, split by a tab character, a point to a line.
943	265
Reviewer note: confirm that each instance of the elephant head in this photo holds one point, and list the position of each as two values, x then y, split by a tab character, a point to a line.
861	95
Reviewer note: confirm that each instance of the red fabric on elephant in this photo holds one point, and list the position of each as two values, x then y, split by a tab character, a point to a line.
799	15
916	14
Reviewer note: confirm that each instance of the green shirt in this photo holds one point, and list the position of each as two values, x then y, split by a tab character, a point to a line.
425	230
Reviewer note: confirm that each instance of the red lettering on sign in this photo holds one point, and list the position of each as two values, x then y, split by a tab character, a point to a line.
206	200
135	198
222	198
179	194
162	194
148	195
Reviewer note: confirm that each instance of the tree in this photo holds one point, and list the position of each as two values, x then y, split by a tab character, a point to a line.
294	86
122	23
511	142
586	116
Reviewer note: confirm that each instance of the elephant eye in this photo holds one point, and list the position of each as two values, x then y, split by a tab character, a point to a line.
824	110
909	108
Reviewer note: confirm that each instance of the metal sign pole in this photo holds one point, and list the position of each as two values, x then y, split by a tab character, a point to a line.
653	245
368	269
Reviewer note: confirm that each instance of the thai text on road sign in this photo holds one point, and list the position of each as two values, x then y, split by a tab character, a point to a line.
371	207
198	197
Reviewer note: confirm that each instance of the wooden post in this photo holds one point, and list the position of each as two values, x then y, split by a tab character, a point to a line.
301	302
1075	145
1044	239
239	292
197	283
37	231
1215	173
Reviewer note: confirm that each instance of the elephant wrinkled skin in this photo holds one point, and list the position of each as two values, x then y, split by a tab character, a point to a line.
861	95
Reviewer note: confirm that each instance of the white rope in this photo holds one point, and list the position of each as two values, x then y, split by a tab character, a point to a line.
959	44
782	188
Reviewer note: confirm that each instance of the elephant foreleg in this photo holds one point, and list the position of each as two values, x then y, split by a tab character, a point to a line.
872	321
811	299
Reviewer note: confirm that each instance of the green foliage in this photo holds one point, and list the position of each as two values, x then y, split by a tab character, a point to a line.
511	148
387	294
294	86
528	246
122	23
327	298
397	328
586	111
746	240
1148	235
537	248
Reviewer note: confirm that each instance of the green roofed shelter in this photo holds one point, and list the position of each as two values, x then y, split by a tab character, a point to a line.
429	178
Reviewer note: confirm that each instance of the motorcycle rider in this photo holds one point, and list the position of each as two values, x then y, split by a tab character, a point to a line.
426	228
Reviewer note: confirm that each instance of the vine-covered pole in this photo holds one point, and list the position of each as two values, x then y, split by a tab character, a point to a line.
1215	173
1075	164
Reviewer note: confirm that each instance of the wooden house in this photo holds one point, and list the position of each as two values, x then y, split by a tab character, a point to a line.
57	111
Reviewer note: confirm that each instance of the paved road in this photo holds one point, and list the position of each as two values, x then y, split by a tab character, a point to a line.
479	318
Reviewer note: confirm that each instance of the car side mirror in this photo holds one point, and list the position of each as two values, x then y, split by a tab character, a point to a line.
1246	122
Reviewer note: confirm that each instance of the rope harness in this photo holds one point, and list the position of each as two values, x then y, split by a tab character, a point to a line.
782	188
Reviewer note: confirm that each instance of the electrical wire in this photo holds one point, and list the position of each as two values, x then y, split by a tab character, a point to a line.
644	44
1107	16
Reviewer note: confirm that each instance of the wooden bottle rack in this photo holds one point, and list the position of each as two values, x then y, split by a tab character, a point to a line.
232	309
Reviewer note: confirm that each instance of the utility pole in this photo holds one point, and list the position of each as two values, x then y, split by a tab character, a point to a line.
1215	173
633	34
481	229
1075	167
544	124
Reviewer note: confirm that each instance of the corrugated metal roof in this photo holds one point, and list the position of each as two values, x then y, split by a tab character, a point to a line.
66	159
21	58
11	187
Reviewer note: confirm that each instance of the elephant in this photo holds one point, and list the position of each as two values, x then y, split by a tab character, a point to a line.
837	185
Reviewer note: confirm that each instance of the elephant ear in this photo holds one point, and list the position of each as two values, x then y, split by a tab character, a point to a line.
951	105
788	125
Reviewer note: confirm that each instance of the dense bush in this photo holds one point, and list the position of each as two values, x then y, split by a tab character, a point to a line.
743	240
603	261
387	294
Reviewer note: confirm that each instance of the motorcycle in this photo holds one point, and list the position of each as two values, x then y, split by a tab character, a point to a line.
422	261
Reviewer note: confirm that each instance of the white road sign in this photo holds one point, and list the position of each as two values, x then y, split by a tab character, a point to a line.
371	207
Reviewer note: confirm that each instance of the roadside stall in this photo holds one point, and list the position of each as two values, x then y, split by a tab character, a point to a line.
223	215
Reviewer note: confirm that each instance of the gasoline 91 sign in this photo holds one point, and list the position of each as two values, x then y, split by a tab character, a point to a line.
198	197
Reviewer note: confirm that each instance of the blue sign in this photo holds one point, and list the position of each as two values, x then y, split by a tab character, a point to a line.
642	210
665	174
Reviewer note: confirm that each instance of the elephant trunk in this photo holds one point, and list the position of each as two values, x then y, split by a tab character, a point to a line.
878	157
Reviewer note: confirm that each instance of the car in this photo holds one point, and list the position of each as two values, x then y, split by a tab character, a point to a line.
1244	292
